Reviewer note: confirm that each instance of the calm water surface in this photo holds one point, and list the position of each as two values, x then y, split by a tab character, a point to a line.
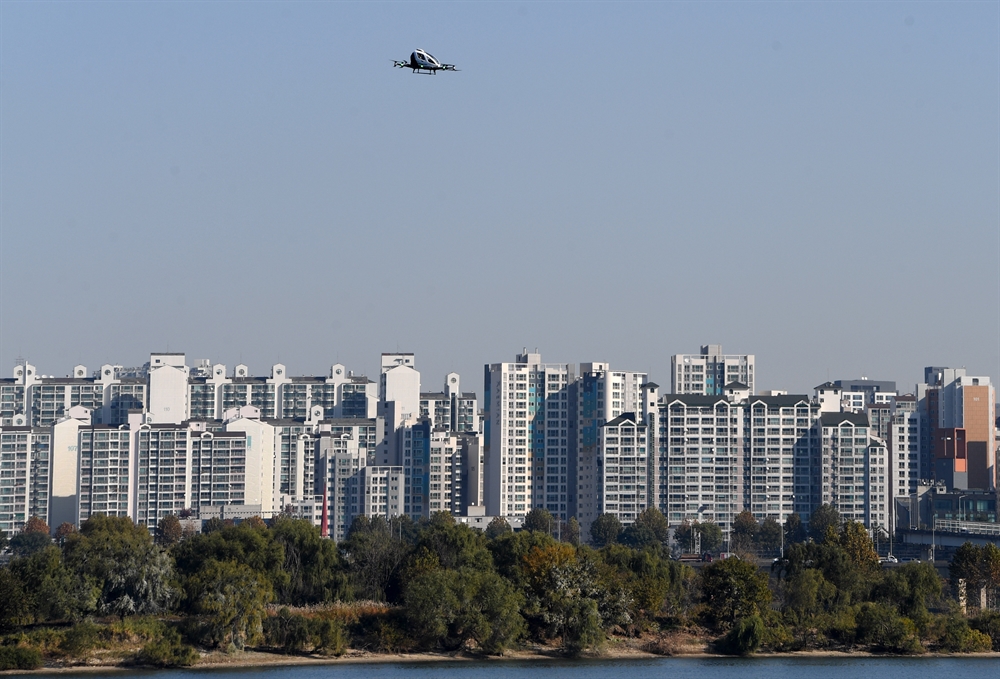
665	668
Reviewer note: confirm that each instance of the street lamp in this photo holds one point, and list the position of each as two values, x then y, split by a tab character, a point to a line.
961	509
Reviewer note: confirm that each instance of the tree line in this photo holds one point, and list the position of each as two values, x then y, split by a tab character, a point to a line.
398	585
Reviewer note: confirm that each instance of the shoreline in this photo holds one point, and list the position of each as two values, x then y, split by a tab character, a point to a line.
255	659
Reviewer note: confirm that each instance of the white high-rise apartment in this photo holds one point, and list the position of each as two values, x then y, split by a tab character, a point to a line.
529	438
25	467
622	453
599	396
399	403
710	371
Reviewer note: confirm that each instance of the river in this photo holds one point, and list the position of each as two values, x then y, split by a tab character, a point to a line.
656	668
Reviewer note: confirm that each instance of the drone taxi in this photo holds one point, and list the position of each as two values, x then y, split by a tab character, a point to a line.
422	62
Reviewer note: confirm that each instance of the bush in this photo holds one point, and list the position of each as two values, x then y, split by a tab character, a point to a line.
958	637
883	628
167	651
988	623
19	658
81	639
744	638
328	636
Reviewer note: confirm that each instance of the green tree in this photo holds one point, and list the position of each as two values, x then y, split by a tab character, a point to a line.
733	589
27	543
63	531
649	528
808	593
131	572
16	608
169	531
744	532
447	608
498	526
605	530
795	530
312	566
3	540
825	516
54	592
711	536
571	531
539	520
768	536
244	544
581	629
456	545
854	539
234	598
684	536
374	555
745	637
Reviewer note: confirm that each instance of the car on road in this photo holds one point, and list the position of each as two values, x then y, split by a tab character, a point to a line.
888	558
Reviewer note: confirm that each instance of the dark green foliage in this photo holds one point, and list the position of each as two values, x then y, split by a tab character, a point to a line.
581	629
795	530
312	565
711	536
3	539
82	638
234	599
374	555
455	545
605	530
167	651
539	520
447	608
649	528
768	537
26	544
52	590
885	630
733	589
15	604
293	633
571	531
988	622
744	638
744	532
958	637
498	526
824	518
19	658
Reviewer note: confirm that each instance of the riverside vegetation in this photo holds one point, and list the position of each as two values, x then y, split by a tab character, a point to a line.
113	593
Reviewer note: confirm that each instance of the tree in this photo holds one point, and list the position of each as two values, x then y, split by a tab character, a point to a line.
3	540
711	536
235	599
795	530
374	556
605	530
27	543
63	531
456	545
16	608
131	572
35	525
855	541
768	536
539	520
315	573
498	526
571	531
649	528
448	607
53	591
733	589
169	531
743	532
825	516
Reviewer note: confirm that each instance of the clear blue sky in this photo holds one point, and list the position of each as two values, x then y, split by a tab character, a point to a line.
814	183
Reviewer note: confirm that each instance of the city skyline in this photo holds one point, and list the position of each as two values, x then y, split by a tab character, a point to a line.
813	183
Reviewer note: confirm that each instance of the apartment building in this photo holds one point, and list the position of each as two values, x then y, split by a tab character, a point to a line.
708	372
104	473
597	397
623	489
529	437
